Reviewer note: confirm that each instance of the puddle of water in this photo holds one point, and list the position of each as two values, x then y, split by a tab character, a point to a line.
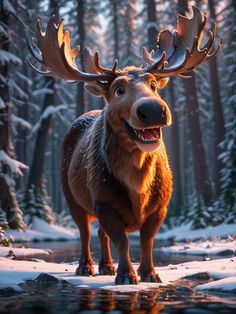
76	300
67	252
177	299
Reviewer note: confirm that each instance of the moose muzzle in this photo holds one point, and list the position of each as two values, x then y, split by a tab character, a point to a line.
152	112
148	116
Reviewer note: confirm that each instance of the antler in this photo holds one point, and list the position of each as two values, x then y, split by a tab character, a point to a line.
56	56
179	52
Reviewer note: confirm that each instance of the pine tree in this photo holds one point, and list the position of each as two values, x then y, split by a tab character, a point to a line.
9	167
226	203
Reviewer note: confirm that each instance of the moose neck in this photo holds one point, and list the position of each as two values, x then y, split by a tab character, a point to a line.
132	167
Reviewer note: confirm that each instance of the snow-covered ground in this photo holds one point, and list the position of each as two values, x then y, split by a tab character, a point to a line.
207	247
185	233
222	273
19	252
40	230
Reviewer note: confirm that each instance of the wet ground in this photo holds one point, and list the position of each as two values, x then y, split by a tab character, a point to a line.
50	298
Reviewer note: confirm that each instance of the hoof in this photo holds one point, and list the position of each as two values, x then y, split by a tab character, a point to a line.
153	277
85	269
126	279
106	269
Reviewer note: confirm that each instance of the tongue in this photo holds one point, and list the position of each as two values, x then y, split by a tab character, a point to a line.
148	134
155	132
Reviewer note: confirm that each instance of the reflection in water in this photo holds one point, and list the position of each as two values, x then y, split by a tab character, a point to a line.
69	299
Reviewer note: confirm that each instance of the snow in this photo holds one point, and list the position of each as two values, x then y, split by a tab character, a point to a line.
40	230
7	57
2	104
20	121
15	165
8	7
204	247
19	252
42	91
185	233
13	272
50	110
223	285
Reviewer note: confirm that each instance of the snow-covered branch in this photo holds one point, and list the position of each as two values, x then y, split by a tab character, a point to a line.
20	121
50	110
7	57
15	166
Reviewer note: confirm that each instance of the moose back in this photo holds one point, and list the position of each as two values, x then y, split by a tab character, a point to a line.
114	165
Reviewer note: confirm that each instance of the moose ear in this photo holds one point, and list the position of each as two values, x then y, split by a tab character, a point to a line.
162	82
97	89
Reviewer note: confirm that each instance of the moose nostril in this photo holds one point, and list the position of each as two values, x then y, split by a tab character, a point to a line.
142	116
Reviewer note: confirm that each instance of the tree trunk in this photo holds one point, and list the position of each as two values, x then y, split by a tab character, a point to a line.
116	30
152	19
175	143
37	167
203	184
8	200
22	132
36	201
219	129
201	172
80	108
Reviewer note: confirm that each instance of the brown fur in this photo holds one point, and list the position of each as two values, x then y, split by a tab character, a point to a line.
102	167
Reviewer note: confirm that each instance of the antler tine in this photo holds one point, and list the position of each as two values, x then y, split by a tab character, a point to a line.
182	47
114	68
147	56
210	56
157	63
54	53
105	70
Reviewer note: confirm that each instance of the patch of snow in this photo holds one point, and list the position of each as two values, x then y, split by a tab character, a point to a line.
12	273
203	247
185	233
2	104
50	110
42	91
7	57
19	252
18	90
22	122
226	284
8	7
15	166
25	78
40	230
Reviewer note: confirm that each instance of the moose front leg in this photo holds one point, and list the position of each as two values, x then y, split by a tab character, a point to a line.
147	235
106	266
114	227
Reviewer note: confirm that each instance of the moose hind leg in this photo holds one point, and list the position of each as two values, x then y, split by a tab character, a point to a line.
106	266
114	227
83	220
147	235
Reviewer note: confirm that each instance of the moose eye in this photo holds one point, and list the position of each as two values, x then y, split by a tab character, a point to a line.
119	91
153	86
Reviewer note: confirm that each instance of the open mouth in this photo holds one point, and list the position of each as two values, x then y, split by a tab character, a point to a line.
144	136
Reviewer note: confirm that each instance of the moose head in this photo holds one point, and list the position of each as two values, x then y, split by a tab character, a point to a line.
132	91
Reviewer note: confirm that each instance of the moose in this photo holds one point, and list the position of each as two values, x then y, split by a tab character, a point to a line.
114	165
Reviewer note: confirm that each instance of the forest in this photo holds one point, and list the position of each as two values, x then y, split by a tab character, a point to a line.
36	111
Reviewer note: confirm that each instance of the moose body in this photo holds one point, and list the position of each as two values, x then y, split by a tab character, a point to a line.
114	165
105	175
